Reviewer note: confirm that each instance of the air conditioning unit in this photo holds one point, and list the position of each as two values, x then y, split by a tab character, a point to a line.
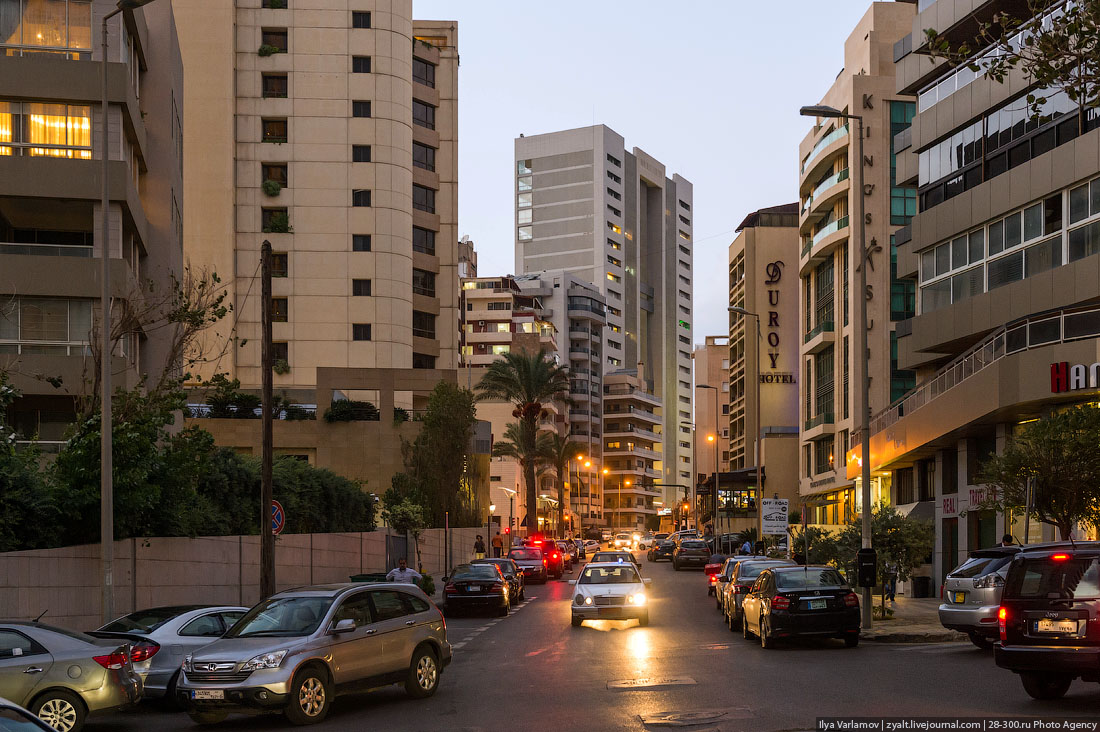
481	323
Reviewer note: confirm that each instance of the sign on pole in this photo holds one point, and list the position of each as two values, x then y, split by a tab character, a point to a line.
775	515
278	517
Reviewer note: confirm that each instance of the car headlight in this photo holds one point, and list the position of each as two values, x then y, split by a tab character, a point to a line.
588	601
264	660
638	599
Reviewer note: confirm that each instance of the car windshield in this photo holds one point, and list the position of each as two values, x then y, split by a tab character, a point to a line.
282	616
144	621
979	566
475	571
1054	579
622	536
610	557
528	554
609	575
12	720
693	544
795	579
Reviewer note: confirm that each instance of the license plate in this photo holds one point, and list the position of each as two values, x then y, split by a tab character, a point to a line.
960	597
818	604
1058	627
473	588
209	694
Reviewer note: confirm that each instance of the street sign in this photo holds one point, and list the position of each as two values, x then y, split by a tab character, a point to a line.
774	515
278	517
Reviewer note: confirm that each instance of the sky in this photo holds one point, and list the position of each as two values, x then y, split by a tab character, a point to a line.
711	88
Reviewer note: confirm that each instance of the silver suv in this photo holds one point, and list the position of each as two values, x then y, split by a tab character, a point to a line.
972	594
295	651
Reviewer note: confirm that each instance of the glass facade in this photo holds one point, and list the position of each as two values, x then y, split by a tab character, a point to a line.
903	199
53	130
46	26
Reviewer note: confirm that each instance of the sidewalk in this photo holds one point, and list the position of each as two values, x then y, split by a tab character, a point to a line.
915	620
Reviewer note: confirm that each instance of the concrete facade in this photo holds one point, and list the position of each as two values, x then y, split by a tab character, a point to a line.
611	216
632	443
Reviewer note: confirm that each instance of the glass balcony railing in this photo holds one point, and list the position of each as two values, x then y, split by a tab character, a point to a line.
820	419
828	183
825	326
823	143
832	228
807	245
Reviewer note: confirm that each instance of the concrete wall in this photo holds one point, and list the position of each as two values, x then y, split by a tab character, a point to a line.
157	571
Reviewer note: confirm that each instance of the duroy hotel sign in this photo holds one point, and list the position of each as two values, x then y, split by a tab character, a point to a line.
775	371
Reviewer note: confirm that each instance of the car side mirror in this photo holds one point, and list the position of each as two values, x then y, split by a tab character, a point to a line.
647	580
347	625
572	582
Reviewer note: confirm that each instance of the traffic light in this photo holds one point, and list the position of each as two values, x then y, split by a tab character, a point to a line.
507	529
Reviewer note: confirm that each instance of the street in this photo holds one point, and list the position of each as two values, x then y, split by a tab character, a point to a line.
532	669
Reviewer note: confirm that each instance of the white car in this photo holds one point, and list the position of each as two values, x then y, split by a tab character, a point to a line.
624	541
613	591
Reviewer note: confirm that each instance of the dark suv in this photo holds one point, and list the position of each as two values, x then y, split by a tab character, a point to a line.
1049	617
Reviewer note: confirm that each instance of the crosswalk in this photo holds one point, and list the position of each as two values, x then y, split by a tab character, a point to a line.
470	634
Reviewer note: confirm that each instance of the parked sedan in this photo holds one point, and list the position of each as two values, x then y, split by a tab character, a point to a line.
610	590
662	549
742	577
693	552
512	574
972	594
62	676
531	563
477	587
295	651
14	718
162	636
793	601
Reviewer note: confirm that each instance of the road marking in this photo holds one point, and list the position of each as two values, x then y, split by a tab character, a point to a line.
649	683
694	717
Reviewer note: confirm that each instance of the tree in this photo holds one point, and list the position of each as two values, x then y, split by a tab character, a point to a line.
898	541
1060	457
26	505
815	544
407	517
529	381
558	450
514	445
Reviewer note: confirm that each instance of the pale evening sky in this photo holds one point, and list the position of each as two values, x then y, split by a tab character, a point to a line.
710	88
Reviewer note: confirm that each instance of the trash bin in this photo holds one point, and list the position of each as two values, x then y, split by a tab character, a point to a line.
922	586
369	577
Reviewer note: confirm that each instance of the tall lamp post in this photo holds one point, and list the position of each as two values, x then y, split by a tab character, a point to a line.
759	429
714	438
511	498
821	110
694	452
106	466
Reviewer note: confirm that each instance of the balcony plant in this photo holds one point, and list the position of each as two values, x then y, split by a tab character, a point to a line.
281	367
267	49
271	187
349	410
279	223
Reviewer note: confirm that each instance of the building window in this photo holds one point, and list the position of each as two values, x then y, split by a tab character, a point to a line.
280	351
54	130
360	19
823	456
903	199
614	160
360	288
274	130
823	373
523	216
360	108
614	177
614	194
901	381
280	310
360	197
360	331
45	25
423	240
276	172
275	37
614	277
274	220
360	154
423	282
423	361
423	114
614	211
613	261
27	322
280	264
423	324
423	72
360	242
423	199
423	156
903	292
360	64
274	86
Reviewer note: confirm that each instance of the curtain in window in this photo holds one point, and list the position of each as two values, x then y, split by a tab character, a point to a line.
8	112
80	24
46	125
42	319
11	27
44	23
80	130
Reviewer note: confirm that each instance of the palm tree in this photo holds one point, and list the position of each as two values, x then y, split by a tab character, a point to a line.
512	445
559	450
529	381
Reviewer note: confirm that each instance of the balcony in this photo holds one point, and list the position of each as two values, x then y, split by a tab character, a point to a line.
818	425
635	413
627	451
46	250
827	190
629	429
820	337
625	392
830	228
837	134
817	248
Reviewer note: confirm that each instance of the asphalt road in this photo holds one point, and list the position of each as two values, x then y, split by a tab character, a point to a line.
532	670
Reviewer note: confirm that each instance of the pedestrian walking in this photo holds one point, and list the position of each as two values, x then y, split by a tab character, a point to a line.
890	586
479	547
498	545
402	573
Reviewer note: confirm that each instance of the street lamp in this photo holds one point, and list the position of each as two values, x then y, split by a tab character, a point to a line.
714	438
759	429
821	110
511	499
106	466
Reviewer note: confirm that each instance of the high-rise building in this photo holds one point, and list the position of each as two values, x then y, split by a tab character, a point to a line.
631	452
499	317
1004	258
329	130
831	366
712	369
612	217
51	152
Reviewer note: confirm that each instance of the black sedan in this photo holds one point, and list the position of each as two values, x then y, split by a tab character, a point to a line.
511	572
793	601
661	550
690	552
532	563
476	586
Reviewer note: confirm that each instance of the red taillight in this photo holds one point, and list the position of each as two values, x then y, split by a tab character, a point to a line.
545	563
114	661
714	579
496	587
781	602
1059	557
851	600
556	556
1002	621
143	653
450	587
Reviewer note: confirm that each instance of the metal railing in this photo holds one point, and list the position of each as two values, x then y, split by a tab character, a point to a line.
46	250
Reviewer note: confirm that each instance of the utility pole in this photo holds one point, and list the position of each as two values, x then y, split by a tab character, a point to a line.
267	535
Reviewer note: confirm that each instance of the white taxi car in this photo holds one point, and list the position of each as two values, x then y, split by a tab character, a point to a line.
610	591
625	541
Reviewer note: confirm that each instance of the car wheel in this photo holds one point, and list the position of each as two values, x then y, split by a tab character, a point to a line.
310	697
503	610
170	700
521	595
1046	686
851	640
205	718
675	565
766	640
745	629
423	677
981	641
575	621
62	710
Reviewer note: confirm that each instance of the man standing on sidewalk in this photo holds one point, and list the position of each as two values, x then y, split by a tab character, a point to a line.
498	545
403	574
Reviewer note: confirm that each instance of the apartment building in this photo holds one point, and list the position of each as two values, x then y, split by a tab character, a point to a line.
632	452
712	392
51	153
330	130
831	367
499	317
612	217
1004	259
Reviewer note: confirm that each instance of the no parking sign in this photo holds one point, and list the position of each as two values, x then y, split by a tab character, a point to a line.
278	517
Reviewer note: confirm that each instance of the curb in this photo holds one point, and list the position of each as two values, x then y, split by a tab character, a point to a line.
949	636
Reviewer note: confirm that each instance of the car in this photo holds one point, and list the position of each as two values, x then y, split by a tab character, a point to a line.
554	559
741	581
511	572
972	594
675	536
711	570
477	587
591	545
605	537
688	551
62	676
17	719
793	601
162	636
662	549
1047	620
531	562
624	540
568	553
611	590
616	556
645	540
296	650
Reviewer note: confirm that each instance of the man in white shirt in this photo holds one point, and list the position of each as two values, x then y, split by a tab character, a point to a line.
403	573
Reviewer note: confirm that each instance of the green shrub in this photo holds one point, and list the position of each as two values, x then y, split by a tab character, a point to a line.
282	366
400	415
427	584
279	223
271	187
267	50
348	410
